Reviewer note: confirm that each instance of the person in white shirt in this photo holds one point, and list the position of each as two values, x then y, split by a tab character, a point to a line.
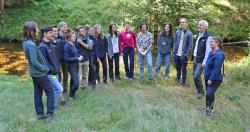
200	54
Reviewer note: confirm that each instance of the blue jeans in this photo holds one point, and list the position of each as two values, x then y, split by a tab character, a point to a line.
159	63
128	53
149	63
43	84
58	89
181	68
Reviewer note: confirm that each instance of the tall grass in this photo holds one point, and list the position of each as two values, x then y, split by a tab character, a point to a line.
158	105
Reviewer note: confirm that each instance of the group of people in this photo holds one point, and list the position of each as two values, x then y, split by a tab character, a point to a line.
62	52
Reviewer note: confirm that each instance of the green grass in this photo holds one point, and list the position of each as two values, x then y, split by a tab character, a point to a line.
136	106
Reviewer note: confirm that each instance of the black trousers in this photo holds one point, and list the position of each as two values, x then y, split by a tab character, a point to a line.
92	68
115	58
104	68
210	92
74	80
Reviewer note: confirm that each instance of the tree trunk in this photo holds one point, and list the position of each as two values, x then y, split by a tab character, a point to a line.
1	8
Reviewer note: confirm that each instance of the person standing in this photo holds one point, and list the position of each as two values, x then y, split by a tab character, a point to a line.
53	63
113	52
90	40
55	47
102	49
127	48
183	39
72	59
144	42
213	75
38	70
201	50
83	50
164	45
63	29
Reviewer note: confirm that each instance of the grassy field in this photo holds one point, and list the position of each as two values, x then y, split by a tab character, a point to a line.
137	106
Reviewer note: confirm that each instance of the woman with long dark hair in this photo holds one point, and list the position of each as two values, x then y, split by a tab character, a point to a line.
164	45
113	52
38	69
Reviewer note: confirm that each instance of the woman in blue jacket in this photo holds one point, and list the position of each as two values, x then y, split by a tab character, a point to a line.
72	59
213	75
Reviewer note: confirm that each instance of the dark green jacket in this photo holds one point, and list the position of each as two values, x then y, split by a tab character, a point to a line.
37	64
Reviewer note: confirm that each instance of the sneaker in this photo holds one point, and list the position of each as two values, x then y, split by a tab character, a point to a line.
105	82
49	117
199	95
112	80
127	78
131	79
40	117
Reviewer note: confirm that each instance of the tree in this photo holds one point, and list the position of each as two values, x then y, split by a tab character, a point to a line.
1	9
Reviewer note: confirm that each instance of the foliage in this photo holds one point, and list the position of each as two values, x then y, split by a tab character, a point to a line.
229	18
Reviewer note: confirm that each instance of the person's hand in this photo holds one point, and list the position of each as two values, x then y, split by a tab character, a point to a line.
203	66
135	49
209	82
110	57
80	58
121	54
98	59
79	41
